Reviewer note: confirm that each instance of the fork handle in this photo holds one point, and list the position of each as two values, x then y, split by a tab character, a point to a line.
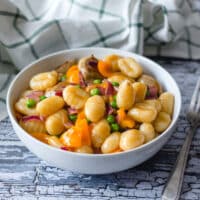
172	189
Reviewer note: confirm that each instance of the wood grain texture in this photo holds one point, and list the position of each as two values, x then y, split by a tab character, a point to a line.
25	177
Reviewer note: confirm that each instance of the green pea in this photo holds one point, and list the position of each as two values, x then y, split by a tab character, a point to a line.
42	97
97	81
115	83
110	119
78	86
114	127
73	117
115	97
30	103
94	91
148	92
63	78
113	104
88	121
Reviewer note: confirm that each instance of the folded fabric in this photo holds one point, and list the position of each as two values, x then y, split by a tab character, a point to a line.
32	29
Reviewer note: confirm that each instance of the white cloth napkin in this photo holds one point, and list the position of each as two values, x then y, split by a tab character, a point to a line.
31	29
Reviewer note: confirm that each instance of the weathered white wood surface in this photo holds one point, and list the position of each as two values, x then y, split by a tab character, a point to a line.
25	177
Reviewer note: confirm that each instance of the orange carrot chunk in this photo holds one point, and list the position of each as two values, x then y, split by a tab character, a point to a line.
83	128
127	122
104	68
73	74
121	114
85	131
124	120
71	138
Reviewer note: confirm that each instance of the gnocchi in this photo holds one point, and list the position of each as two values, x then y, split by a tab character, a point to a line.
119	78
148	131
50	105
140	91
93	106
43	137
44	80
154	103
99	133
113	61
151	82
33	125
130	67
131	139
21	107
162	122
55	123
75	97
125	95
111	143
143	113
167	102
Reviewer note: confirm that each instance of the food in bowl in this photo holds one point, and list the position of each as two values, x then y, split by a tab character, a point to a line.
95	106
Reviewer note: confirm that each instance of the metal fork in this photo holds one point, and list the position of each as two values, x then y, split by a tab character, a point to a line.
172	189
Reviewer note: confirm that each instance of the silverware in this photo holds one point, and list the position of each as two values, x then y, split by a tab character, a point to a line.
172	189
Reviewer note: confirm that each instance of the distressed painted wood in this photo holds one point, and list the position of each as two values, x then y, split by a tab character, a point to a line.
25	177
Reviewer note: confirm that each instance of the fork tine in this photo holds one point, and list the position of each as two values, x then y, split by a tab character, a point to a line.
194	96
198	102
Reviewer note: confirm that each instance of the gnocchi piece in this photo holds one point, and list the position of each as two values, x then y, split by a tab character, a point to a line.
131	139
55	122
119	78
33	126
126	95
167	102
140	91
111	143
43	137
75	97
58	88
112	60
142	112
130	67
32	94
99	133
50	105
150	82
145	105
26	92
44	80
95	108
84	149
54	141
22	108
148	131
162	122
154	103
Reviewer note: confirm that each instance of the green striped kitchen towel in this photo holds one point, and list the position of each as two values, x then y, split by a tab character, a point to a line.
30	29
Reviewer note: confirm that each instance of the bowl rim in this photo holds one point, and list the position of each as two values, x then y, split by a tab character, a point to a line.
145	59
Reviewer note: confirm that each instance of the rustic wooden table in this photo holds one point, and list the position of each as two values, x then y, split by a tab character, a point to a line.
25	177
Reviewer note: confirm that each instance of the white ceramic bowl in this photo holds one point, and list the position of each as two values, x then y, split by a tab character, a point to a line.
86	163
